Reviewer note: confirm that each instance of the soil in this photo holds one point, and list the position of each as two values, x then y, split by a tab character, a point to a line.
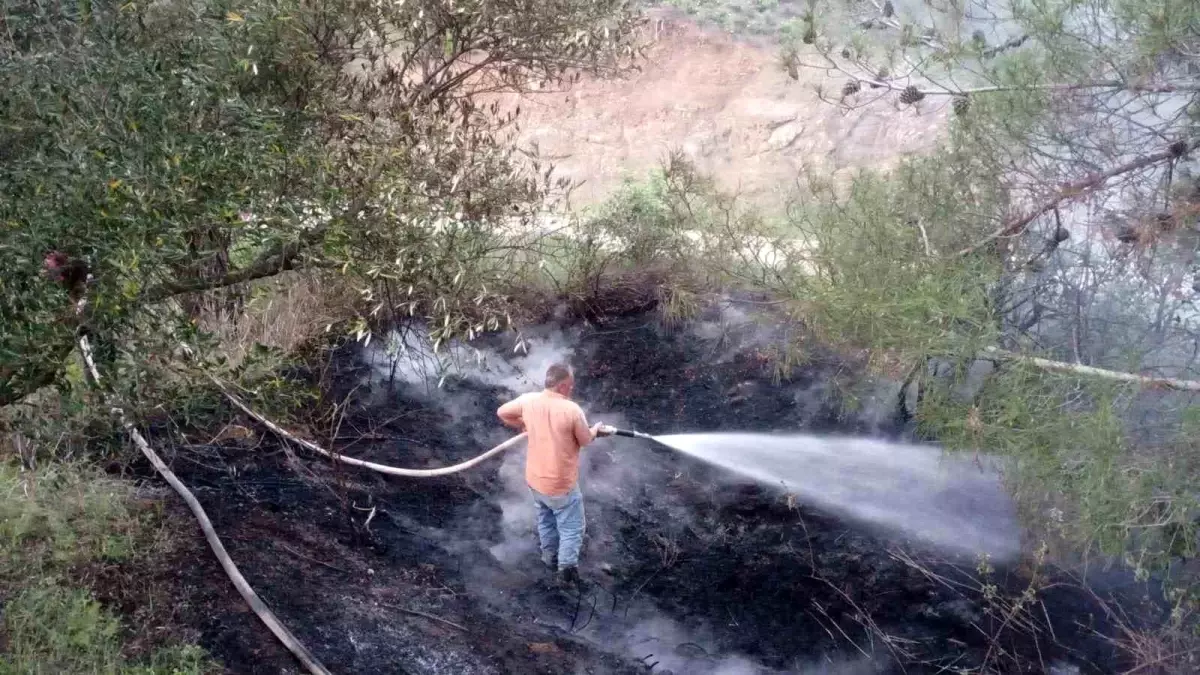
688	570
728	105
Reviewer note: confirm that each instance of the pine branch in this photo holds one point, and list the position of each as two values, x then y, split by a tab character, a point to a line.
1080	188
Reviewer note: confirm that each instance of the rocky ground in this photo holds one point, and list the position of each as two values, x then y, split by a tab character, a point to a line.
705	574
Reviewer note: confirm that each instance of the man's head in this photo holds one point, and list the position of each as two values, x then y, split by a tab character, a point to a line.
559	378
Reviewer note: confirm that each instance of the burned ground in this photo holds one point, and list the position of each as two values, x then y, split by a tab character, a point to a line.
704	573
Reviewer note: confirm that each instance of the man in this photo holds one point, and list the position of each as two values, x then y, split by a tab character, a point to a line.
557	431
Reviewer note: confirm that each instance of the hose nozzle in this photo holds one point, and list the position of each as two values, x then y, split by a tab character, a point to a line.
613	431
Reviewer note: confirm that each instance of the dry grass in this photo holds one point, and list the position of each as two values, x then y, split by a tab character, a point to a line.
282	313
1172	648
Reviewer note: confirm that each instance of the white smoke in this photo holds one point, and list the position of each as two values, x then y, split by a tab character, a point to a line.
612	474
408	356
733	330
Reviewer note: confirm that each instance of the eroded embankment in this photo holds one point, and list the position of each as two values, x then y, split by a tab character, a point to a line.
709	575
727	105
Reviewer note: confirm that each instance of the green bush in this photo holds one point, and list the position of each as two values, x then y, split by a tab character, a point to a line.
60	631
1073	464
53	521
60	516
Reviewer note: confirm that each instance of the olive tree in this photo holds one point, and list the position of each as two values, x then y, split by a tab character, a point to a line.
183	147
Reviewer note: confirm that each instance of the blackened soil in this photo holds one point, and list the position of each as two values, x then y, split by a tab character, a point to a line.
387	575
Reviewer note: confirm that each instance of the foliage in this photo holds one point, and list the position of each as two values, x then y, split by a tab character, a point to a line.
53	521
753	17
650	243
868	267
191	146
61	516
1070	445
56	630
1058	218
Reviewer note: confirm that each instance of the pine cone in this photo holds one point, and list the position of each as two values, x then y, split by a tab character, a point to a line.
851	88
888	9
962	105
1061	235
911	95
845	52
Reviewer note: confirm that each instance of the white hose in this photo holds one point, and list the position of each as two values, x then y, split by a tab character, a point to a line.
260	608
381	468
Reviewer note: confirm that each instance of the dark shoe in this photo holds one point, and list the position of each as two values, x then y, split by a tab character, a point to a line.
569	577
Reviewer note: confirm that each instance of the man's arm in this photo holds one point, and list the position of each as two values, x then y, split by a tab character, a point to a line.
510	414
584	434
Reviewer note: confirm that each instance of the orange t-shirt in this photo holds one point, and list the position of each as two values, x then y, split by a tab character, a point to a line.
557	429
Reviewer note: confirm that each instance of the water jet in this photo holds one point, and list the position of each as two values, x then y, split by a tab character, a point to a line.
944	501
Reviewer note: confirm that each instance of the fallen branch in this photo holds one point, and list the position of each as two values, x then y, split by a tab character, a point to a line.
381	468
1079	369
991	89
300	555
1080	188
925	240
243	587
427	616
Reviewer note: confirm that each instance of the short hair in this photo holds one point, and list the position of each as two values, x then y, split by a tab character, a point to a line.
557	374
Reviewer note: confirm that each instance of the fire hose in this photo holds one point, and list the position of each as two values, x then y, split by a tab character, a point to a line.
260	608
256	604
604	430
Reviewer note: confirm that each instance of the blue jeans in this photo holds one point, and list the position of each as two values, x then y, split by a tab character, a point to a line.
560	526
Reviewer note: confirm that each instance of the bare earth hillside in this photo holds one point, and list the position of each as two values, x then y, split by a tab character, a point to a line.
729	106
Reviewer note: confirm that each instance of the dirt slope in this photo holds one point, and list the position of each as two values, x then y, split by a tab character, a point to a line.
728	105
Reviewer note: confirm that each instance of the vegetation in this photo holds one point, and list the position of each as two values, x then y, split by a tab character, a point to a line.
191	153
1059	219
53	523
189	147
768	18
210	161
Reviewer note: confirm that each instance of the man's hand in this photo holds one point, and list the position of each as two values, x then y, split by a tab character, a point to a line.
600	429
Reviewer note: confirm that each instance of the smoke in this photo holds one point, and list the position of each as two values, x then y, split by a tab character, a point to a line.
732	330
612	474
518	542
671	647
407	356
449	377
461	378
